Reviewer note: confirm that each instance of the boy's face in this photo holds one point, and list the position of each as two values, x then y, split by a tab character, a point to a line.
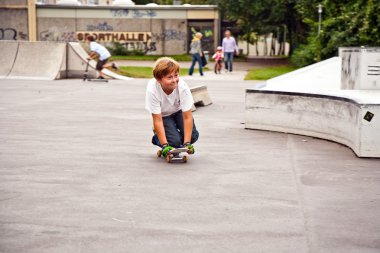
170	81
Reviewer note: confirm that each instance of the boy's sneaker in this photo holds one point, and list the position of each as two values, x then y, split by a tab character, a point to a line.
114	66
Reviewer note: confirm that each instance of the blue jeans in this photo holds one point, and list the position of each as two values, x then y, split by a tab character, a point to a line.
196	58
228	59
174	131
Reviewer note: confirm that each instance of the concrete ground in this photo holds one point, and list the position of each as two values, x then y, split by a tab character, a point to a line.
78	174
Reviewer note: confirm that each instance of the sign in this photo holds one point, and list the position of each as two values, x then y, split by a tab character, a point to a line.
121	37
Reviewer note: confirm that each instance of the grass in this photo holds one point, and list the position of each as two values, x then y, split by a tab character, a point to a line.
178	57
268	73
181	57
146	72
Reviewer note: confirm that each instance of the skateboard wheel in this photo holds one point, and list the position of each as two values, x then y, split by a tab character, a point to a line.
159	153
168	158
184	159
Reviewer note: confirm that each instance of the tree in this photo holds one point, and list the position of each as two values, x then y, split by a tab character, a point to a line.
345	24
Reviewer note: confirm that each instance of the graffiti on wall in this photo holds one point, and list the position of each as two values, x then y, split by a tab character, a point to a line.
100	27
133	13
143	46
53	34
11	34
169	34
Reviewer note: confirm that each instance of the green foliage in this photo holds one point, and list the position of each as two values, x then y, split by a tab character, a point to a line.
180	57
268	73
146	72
120	49
344	24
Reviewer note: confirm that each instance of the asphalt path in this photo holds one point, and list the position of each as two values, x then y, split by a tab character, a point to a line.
78	174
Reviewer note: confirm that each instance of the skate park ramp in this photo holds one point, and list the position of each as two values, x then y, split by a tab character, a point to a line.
310	102
9	52
46	61
33	60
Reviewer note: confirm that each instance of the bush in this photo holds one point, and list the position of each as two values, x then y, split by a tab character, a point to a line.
307	54
120	49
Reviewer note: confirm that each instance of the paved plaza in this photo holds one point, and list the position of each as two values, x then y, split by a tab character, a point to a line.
78	174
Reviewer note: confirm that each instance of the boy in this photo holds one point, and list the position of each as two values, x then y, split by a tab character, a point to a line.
102	52
169	100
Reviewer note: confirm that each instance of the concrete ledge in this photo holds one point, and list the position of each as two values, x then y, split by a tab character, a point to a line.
340	116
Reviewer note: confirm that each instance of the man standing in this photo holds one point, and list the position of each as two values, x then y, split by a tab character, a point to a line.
229	47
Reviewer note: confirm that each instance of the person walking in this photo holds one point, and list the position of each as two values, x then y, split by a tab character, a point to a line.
196	52
229	47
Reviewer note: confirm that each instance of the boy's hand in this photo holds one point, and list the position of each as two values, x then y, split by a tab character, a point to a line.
190	148
165	149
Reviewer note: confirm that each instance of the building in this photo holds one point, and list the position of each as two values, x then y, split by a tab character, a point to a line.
155	29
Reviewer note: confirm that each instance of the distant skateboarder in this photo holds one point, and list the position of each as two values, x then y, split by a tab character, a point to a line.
100	51
169	100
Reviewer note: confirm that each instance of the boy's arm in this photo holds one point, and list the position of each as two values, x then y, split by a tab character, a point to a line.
158	125
92	54
187	125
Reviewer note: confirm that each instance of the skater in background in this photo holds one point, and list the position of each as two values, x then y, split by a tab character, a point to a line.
100	51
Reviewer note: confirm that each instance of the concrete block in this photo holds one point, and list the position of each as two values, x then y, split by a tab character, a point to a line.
200	95
360	68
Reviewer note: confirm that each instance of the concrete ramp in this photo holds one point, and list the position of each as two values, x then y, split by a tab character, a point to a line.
46	61
77	61
324	75
8	57
37	60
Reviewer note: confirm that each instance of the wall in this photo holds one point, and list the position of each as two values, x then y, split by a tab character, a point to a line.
157	30
13	20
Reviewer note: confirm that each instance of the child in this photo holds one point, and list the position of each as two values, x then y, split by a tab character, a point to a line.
218	57
169	100
102	52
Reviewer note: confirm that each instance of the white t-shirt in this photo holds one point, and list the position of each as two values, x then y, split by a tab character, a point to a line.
100	50
158	102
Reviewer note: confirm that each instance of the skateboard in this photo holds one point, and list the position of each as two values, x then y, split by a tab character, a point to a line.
85	76
175	155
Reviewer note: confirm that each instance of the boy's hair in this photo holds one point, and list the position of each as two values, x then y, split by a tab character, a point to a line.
90	38
164	66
